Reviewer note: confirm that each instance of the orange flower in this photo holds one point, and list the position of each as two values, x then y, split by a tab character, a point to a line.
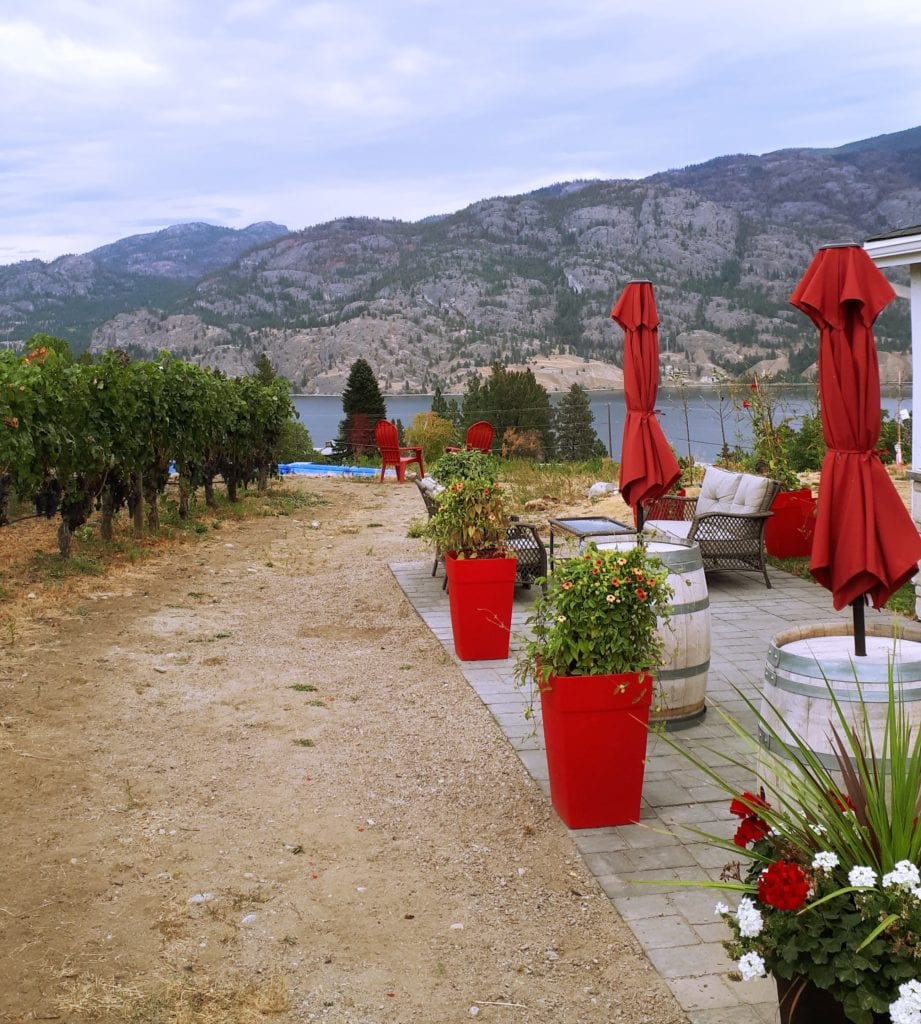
11	421
566	584
641	594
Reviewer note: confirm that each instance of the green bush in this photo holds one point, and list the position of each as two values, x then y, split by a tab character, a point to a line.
466	465
295	444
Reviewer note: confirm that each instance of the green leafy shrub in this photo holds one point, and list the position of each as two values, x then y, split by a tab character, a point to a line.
466	465
471	521
599	615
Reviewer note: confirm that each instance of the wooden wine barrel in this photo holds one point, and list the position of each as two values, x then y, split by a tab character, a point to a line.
808	664
681	683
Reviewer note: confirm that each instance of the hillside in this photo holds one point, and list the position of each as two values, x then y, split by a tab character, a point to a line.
513	278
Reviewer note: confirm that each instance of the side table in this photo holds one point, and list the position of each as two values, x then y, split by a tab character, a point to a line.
584	527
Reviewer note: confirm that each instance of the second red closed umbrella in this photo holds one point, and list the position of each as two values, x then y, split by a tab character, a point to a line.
865	541
648	466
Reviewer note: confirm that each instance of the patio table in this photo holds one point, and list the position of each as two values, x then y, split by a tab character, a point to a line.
585	527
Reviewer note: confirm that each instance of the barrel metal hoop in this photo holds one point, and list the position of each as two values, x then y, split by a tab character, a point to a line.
685	672
842	670
828	761
683	562
872	692
692	606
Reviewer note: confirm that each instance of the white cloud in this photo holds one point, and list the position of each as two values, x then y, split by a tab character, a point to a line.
116	116
32	52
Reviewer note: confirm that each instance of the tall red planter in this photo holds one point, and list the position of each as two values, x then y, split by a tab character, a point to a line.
481	592
595	732
788	532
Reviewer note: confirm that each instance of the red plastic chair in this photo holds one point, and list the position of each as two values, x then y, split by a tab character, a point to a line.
479	436
392	453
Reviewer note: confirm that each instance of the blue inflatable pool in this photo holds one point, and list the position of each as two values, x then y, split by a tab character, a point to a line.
319	469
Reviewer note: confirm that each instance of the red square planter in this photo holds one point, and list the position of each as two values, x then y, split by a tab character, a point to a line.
481	592
789	531
595	732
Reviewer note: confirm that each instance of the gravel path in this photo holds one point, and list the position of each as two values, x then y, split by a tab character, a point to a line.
243	778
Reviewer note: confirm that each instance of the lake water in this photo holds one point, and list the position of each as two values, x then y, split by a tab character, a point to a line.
696	421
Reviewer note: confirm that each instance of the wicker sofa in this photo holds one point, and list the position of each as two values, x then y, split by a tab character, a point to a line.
726	519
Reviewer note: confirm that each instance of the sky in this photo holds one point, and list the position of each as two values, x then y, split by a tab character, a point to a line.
120	118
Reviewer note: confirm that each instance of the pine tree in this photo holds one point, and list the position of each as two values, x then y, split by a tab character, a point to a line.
575	428
511	398
444	408
363	405
265	371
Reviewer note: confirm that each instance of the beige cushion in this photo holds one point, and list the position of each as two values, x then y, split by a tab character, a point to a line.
751	494
718	490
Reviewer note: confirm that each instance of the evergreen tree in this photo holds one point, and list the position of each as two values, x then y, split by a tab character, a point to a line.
575	427
439	403
510	398
445	408
363	405
265	371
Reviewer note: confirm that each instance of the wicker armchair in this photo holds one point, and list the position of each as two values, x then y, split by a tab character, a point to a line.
726	519
522	538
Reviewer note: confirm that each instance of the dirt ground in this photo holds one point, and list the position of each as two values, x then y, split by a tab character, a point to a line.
242	781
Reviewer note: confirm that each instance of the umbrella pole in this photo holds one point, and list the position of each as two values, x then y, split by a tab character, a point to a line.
860	634
639	517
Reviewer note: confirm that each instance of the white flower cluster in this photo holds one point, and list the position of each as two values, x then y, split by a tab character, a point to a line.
825	861
749	918
904	873
861	876
907	1008
751	966
721	908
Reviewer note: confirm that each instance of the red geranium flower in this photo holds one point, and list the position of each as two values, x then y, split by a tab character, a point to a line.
783	885
746	403
842	801
750	831
747	809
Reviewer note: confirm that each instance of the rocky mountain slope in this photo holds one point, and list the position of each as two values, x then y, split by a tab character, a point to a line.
523	278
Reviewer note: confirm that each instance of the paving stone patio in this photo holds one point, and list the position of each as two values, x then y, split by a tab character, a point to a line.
675	924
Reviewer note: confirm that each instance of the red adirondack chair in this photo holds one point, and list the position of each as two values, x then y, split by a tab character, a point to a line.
479	435
392	453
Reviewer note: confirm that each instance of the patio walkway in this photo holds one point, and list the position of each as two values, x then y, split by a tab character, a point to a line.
676	926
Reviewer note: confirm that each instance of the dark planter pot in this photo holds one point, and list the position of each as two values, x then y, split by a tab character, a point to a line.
595	732
789	531
801	1002
481	592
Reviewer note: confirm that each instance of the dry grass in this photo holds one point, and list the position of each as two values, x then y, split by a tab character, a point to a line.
186	1002
555	483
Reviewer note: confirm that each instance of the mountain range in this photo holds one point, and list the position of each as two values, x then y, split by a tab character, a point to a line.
520	279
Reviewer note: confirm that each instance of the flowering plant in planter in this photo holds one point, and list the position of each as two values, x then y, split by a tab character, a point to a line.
831	894
470	521
598	615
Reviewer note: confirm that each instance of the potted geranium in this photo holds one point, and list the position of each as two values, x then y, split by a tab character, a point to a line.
831	895
469	527
594	642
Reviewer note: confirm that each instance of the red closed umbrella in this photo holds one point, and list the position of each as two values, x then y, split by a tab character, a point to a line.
865	541
648	466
